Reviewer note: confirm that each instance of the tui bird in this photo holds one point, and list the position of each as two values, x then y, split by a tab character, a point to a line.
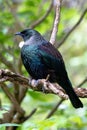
41	58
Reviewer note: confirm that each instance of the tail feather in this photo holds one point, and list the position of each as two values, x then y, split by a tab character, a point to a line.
66	85
74	99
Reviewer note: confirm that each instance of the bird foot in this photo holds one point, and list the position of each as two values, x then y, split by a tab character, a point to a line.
40	84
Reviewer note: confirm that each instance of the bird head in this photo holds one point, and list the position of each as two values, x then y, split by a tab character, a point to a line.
26	34
30	36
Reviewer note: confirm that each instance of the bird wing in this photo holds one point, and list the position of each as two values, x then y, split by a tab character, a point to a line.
51	50
52	58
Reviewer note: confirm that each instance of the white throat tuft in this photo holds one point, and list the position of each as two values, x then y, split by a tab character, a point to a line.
21	44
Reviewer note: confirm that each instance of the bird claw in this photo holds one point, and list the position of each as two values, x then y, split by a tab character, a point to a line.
33	82
40	84
43	89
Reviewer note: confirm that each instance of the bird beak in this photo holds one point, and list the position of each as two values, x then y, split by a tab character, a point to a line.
17	33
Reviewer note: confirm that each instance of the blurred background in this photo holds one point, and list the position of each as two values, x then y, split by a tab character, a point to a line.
16	15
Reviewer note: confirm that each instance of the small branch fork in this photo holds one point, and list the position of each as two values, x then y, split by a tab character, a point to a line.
40	85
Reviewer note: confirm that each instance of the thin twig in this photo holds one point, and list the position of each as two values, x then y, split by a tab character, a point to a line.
56	23
72	29
83	82
55	108
40	20
20	65
30	115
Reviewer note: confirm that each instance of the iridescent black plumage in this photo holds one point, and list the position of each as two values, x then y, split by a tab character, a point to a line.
41	58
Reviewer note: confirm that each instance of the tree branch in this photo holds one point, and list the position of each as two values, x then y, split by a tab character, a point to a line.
56	23
72	29
39	21
39	85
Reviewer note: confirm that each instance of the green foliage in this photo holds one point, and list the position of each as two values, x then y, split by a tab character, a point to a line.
74	51
65	120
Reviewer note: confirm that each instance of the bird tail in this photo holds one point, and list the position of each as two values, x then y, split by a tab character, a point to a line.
71	93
